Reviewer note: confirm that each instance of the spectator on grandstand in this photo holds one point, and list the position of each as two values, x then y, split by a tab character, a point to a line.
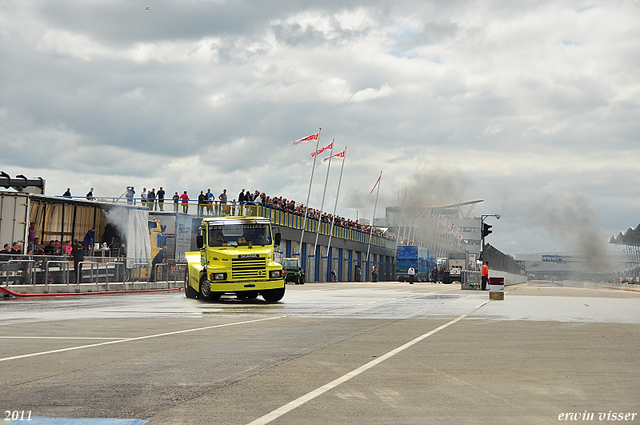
210	199
5	254
16	248
130	193
151	199
160	258
185	202
223	202
88	241
202	201
32	231
176	198
34	245
143	197
160	196
51	248
77	253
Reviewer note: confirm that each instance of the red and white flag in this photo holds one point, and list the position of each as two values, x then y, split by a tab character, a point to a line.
306	139
335	155
329	146
374	186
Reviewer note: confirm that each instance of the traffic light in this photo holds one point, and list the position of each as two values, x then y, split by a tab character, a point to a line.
485	229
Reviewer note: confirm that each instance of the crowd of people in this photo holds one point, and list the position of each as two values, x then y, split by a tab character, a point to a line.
54	249
209	204
292	207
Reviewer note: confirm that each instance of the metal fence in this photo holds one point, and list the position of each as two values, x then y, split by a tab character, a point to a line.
55	269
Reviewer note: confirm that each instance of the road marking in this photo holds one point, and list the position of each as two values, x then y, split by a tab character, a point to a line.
58	337
45	420
62	350
269	417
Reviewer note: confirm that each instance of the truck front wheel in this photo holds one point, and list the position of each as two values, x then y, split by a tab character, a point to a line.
273	295
189	292
205	291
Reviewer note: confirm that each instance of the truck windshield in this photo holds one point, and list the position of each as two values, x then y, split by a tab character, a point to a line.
290	263
239	235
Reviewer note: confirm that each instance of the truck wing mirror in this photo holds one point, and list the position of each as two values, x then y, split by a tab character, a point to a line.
199	241
277	239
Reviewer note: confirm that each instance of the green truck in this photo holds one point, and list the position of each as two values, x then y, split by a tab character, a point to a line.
293	271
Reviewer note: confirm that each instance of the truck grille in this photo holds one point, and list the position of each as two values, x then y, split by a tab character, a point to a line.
249	268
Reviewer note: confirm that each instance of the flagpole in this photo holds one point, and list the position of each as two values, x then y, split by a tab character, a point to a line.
404	230
401	218
324	192
306	208
335	206
372	218
397	240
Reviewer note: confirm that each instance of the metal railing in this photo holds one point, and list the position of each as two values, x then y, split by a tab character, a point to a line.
58	271
7	270
283	218
156	271
139	267
79	271
116	265
177	267
29	270
64	266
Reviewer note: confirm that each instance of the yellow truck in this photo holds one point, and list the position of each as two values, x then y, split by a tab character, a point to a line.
237	256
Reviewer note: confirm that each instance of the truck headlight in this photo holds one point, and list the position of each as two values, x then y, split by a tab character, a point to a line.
275	274
218	276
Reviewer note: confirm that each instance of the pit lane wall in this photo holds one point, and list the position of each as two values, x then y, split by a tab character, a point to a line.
509	278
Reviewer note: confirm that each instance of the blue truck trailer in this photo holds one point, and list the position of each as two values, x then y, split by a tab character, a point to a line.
417	256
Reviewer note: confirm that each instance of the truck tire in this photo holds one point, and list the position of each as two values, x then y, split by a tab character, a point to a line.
205	291
273	295
189	292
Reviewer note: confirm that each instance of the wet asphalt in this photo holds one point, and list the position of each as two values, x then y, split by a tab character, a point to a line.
347	353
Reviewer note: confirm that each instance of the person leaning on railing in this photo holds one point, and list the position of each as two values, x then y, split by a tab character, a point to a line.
5	254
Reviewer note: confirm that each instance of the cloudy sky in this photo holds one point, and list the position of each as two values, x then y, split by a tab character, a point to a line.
532	106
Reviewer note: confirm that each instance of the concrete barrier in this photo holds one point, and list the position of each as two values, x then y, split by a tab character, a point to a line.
88	288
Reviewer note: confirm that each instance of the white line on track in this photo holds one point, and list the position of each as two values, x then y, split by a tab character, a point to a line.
62	350
59	337
269	417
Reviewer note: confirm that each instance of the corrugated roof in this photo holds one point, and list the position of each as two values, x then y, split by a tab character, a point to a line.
630	237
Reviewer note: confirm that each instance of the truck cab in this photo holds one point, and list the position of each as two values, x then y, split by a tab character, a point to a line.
236	255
